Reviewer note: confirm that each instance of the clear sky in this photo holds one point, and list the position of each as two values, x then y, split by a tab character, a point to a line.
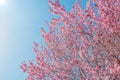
20	22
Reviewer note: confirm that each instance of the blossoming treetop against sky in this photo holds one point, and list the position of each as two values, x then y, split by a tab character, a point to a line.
80	45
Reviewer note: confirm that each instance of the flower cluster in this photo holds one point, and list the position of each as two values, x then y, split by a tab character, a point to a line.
81	44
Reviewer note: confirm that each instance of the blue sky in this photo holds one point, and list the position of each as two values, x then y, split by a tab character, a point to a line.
20	22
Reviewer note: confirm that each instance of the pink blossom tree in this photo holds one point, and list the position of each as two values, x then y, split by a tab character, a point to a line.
81	44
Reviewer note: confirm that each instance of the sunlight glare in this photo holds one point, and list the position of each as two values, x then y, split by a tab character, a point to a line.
2	2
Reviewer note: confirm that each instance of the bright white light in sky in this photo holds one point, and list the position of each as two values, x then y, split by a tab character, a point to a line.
2	2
